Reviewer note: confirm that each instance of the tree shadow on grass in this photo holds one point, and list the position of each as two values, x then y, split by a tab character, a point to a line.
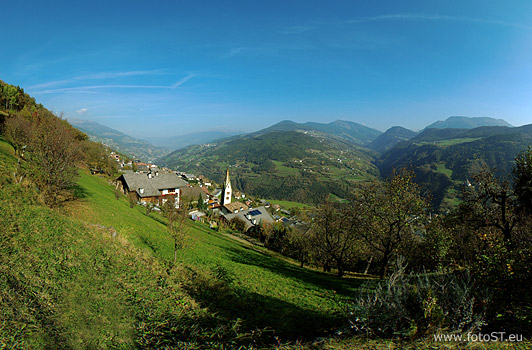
149	244
344	287
79	192
159	220
258	313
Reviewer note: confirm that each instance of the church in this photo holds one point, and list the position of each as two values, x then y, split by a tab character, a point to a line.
227	193
251	217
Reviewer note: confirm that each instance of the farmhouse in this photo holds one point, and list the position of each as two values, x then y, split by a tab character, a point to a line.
252	217
153	187
191	194
234	207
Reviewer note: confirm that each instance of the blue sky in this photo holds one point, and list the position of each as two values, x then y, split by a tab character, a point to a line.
163	68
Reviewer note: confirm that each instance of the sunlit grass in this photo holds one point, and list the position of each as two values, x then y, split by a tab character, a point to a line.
280	294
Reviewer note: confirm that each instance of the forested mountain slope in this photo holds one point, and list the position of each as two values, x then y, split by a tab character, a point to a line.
390	138
340	129
285	165
444	158
467	123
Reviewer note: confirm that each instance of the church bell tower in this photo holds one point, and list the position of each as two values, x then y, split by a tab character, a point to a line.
227	191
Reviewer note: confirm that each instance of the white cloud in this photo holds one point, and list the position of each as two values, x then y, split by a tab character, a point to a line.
184	80
82	111
433	17
108	75
94	88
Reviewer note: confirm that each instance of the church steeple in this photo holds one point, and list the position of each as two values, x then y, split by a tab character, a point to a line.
227	191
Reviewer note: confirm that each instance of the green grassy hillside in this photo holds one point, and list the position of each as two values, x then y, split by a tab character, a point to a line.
262	290
282	165
99	274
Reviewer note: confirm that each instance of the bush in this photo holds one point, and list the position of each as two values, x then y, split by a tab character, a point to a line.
51	151
409	306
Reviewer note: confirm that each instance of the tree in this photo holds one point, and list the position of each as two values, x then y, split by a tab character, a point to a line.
178	224
385	215
10	97
97	158
149	208
522	173
490	203
334	239
237	224
201	204
132	197
18	131
300	244
51	155
117	193
497	215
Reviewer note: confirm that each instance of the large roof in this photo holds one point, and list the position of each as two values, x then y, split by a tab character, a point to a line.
193	193
231	207
258	215
153	186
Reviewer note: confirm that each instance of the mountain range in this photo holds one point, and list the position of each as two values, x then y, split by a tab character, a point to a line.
181	141
310	162
130	146
458	122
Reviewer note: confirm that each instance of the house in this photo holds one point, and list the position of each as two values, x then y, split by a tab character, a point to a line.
215	207
252	217
192	194
217	192
197	215
206	190
142	167
233	207
189	177
153	187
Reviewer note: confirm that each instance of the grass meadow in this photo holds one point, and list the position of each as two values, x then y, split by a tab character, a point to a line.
263	291
98	274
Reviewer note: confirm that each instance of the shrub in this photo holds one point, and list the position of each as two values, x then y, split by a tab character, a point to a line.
408	305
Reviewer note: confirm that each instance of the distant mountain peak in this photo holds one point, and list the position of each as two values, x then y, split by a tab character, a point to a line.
461	122
119	141
340	129
390	138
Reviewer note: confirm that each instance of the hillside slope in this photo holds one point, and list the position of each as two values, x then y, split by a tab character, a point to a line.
444	158
340	129
132	147
100	275
285	165
390	138
458	122
196	138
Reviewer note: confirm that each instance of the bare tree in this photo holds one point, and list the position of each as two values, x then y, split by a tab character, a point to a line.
178	224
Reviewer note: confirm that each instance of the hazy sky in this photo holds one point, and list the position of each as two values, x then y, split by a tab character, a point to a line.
172	67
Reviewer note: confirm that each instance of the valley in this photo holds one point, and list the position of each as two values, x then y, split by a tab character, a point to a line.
88	262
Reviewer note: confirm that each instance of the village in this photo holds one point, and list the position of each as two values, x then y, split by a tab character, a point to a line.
152	186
